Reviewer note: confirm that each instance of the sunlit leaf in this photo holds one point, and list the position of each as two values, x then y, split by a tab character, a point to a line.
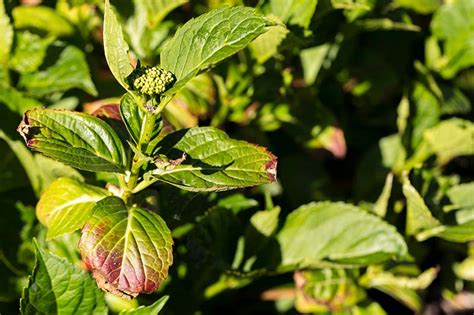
66	205
80	140
128	251
209	39
212	161
115	47
337	232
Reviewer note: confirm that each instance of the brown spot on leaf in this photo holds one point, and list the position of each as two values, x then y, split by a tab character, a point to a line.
109	287
271	167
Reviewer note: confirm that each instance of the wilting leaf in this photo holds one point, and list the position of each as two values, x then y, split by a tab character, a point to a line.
59	287
153	309
339	233
115	47
212	161
66	205
41	18
419	217
209	39
77	139
128	251
70	71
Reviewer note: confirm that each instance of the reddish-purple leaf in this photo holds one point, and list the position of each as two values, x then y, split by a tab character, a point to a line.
128	251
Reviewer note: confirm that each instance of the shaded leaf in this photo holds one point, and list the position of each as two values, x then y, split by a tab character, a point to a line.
115	47
70	71
128	251
326	290
209	39
77	139
66	205
58	287
45	19
16	101
213	161
337	232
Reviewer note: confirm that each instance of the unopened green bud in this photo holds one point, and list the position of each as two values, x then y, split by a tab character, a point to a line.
151	81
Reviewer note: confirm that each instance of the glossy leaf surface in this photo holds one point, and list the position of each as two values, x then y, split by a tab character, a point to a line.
77	139
209	39
213	161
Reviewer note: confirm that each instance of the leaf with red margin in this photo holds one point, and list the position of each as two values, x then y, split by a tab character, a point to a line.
128	251
211	161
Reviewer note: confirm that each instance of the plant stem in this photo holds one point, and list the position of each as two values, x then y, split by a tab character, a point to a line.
145	136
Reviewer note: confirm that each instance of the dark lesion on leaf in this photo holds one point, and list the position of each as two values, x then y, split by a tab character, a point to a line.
26	131
109	287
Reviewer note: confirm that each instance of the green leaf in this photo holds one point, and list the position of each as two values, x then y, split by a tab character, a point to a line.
80	140
312	60
337	232
30	51
70	71
153	309
419	217
16	101
209	39
66	205
129	251
462	196
133	118
296	12
326	290
41	171
58	287
6	35
43	19
212	161
453	24
157	10
420	6
266	45
450	138
115	47
380	206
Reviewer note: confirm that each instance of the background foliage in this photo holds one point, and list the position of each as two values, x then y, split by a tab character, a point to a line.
366	103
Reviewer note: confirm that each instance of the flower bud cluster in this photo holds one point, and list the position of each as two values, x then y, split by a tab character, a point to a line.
151	80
